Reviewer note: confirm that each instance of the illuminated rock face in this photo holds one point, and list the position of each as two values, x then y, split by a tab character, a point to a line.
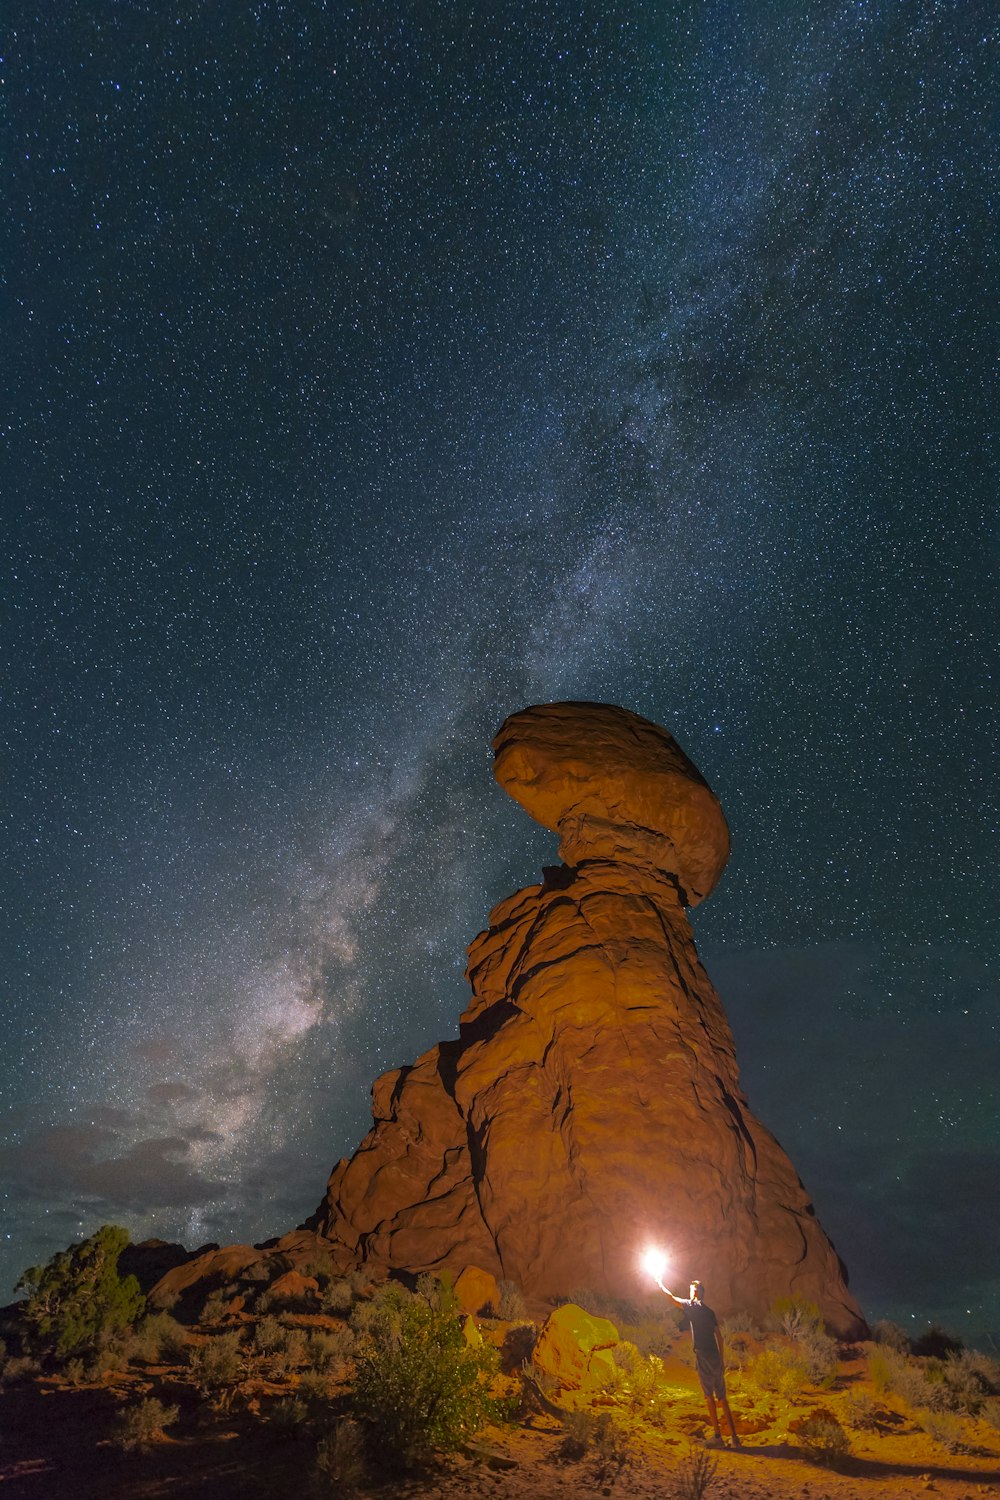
592	1103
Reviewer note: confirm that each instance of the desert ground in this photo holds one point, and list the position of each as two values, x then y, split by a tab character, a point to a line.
249	1399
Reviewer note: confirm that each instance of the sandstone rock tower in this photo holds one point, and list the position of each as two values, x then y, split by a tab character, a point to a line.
592	1101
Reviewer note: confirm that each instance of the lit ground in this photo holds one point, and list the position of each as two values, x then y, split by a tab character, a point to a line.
55	1441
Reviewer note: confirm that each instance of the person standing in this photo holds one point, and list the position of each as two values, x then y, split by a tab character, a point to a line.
706	1337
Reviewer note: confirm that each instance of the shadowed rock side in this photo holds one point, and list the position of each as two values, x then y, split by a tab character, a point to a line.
592	1102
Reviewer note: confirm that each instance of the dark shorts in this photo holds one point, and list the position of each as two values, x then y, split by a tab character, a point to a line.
709	1365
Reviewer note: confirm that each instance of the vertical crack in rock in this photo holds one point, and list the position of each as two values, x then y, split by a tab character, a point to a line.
591	1102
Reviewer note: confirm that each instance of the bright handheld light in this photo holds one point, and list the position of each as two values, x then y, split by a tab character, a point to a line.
654	1263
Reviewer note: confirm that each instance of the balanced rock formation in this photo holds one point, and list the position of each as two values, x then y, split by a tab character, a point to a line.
591	1104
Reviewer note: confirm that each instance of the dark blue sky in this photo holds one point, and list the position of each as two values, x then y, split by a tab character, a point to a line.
374	371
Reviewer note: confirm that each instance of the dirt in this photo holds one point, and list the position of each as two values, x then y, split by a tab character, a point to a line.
55	1442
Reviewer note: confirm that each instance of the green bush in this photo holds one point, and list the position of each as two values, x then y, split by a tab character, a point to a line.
824	1440
78	1299
418	1385
142	1424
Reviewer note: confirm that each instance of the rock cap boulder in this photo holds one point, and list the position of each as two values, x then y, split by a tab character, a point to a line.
614	785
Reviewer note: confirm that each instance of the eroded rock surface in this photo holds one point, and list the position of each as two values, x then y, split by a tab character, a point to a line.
592	1102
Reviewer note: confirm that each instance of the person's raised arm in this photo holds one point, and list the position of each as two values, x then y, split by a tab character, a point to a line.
679	1300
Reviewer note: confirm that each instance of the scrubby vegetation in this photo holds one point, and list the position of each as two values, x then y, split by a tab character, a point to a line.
418	1385
78	1299
348	1380
825	1441
141	1425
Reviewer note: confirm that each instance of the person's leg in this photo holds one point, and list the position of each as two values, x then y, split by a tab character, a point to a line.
714	1414
729	1418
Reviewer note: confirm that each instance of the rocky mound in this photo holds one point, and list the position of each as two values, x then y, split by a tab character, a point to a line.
591	1103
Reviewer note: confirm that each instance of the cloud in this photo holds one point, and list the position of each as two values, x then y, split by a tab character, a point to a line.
90	1167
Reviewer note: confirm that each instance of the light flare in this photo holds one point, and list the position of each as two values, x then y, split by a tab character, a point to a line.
654	1263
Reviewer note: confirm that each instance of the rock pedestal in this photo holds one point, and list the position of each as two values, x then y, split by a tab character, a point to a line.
591	1104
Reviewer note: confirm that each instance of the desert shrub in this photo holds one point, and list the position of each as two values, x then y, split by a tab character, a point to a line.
288	1417
611	1445
695	1475
518	1345
626	1355
824	1440
437	1291
325	1349
158	1337
546	1382
511	1305
76	1371
859	1411
19	1367
418	1385
641	1388
166	1301
320	1267
794	1316
289	1353
945	1428
218	1362
578	1429
818	1353
340	1459
895	1374
338	1296
936	1342
741	1322
991	1414
968	1378
652	1335
215	1307
891	1335
268	1334
139	1426
77	1298
778	1370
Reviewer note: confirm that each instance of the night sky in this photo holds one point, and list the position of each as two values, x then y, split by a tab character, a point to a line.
375	370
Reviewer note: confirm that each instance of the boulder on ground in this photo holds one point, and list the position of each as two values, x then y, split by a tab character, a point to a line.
476	1289
574	1346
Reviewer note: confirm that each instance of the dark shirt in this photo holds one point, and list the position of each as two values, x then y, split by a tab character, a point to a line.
703	1325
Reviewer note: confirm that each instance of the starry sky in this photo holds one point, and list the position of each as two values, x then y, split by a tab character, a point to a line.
373	370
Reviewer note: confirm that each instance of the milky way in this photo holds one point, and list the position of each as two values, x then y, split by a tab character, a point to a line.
376	373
